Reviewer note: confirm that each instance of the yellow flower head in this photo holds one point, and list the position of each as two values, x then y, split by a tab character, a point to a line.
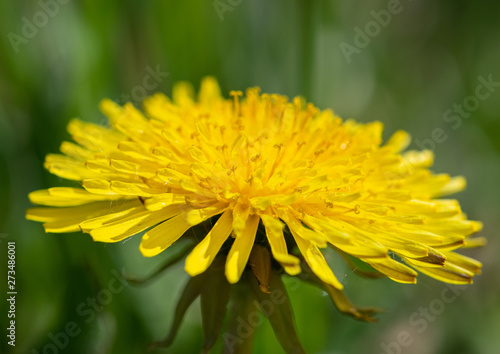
265	171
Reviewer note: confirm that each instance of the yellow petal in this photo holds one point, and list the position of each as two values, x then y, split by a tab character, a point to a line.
240	251
456	184
274	232
93	136
204	253
66	196
163	200
240	215
209	91
162	236
128	225
53	214
183	94
336	234
475	242
363	250
100	221
399	140
66	167
98	186
110	109
449	273
75	151
135	189
464	262
133	168
417	159
68	219
394	270
305	233
316	261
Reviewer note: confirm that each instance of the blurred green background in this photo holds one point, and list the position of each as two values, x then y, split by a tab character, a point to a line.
406	71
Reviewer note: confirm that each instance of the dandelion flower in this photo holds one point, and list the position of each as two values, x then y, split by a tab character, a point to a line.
264	171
